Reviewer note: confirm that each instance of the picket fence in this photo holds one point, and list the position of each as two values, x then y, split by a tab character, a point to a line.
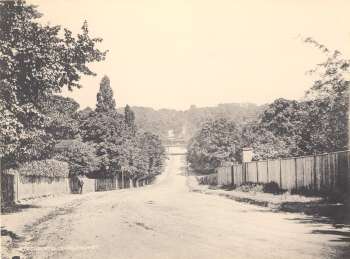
317	173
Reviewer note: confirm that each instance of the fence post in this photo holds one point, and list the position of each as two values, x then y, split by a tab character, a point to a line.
315	180
296	174
280	173
232	176
267	170
257	172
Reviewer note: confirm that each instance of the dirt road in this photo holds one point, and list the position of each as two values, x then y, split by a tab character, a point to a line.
166	220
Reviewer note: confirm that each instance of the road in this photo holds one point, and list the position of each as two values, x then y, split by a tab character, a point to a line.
166	220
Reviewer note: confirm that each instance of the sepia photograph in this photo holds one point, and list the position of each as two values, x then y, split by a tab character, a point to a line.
175	129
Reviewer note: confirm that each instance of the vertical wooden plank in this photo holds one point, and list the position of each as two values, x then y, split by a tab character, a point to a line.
314	173
267	170
280	173
296	174
232	176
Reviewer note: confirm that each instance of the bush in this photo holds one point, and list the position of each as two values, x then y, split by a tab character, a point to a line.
211	179
250	187
272	187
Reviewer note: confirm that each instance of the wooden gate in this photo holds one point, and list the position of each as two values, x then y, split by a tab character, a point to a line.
7	190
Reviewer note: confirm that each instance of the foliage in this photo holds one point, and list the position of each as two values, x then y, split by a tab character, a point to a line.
272	187
250	187
105	100
185	124
62	114
217	141
129	116
80	156
120	146
46	168
317	124
153	152
22	130
211	179
36	61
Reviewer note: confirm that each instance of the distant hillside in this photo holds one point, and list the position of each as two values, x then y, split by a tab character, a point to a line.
186	123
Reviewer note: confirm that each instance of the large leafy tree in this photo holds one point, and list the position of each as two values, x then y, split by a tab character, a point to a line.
80	156
22	130
332	91
317	124
36	61
63	116
278	131
217	141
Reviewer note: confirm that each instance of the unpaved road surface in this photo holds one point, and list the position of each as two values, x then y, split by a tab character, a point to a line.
166	220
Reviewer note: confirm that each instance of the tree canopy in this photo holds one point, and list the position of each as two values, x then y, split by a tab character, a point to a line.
317	124
217	141
36	62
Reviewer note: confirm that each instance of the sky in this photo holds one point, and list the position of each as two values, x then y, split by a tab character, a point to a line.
175	53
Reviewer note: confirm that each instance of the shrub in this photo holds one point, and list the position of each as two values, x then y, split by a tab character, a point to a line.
250	187
211	179
272	187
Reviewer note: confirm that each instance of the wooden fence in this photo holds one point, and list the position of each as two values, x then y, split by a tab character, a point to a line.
317	173
7	190
105	184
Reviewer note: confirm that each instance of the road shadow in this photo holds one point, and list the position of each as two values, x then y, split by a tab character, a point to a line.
15	208
336	215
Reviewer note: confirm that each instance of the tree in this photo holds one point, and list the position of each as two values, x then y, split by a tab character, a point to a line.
105	99
332	91
63	116
216	142
80	156
22	130
153	153
129	116
36	62
120	147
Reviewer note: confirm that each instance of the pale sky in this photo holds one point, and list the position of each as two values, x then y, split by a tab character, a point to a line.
174	53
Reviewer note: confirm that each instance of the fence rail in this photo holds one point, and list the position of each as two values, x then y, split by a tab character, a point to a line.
319	172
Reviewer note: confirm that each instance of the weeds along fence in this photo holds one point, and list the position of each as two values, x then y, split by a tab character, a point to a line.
325	172
210	179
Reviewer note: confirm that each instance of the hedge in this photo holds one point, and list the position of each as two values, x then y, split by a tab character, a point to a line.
47	168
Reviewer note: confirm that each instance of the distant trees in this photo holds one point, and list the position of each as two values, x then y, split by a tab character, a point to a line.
186	123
